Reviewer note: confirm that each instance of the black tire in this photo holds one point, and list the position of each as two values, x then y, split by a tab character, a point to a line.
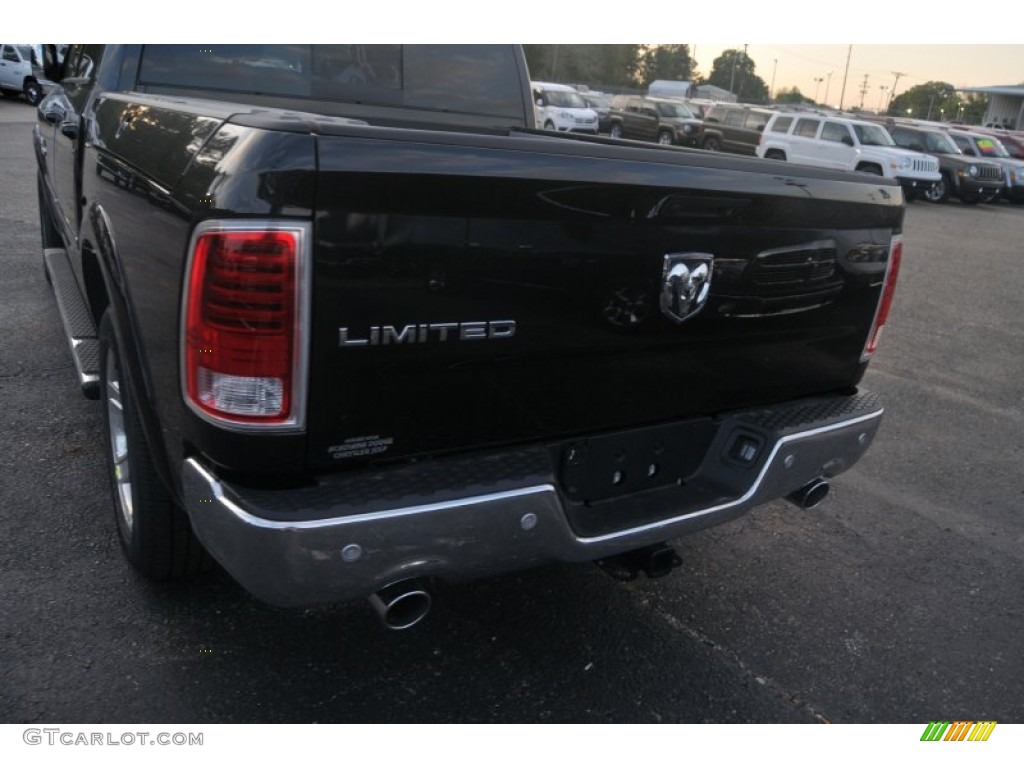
939	191
713	144
33	92
615	131
775	154
155	533
665	138
549	126
872	169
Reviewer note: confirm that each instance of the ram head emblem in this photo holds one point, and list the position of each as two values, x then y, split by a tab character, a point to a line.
685	284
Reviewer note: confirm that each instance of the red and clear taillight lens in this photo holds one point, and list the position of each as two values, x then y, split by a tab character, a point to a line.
892	273
242	326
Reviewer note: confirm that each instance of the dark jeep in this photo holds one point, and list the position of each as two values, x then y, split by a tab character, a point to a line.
734	128
971	180
665	121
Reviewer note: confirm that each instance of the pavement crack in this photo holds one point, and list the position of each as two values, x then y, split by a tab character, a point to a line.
733	658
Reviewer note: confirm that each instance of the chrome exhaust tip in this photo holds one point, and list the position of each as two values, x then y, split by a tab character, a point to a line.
811	495
402	605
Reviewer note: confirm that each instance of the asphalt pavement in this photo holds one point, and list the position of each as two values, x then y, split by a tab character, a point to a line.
899	600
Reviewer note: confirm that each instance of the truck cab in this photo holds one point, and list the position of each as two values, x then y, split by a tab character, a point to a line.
17	72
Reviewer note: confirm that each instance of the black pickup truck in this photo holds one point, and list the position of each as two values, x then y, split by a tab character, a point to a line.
358	326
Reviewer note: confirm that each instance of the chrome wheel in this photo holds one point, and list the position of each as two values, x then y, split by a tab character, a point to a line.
664	138
119	458
155	533
34	93
937	192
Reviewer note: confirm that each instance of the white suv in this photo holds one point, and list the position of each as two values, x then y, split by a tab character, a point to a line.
561	108
852	145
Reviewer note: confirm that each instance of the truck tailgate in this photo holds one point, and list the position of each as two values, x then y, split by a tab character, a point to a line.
474	291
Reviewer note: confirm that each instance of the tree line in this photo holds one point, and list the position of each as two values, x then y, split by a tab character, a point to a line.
621	68
634	67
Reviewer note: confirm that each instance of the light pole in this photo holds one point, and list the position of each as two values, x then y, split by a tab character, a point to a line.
892	92
771	91
817	84
827	84
883	89
846	73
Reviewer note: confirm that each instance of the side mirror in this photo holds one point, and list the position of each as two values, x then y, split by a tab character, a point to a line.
540	102
847	140
760	128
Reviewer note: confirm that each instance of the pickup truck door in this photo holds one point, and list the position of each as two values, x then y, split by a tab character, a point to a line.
10	63
65	112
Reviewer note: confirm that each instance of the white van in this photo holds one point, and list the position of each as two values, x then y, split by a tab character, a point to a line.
561	108
16	76
830	141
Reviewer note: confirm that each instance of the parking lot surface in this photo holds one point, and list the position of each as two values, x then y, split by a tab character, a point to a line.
899	600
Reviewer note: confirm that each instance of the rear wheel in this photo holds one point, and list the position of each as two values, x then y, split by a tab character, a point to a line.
775	154
33	92
665	137
615	131
155	533
712	144
549	126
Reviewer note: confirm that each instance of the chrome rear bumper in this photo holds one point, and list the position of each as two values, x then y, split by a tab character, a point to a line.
319	544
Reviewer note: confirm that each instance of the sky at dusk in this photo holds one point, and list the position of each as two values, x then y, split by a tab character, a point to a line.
798	64
799	40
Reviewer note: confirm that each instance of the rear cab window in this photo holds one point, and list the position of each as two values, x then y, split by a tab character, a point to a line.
781	124
468	78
